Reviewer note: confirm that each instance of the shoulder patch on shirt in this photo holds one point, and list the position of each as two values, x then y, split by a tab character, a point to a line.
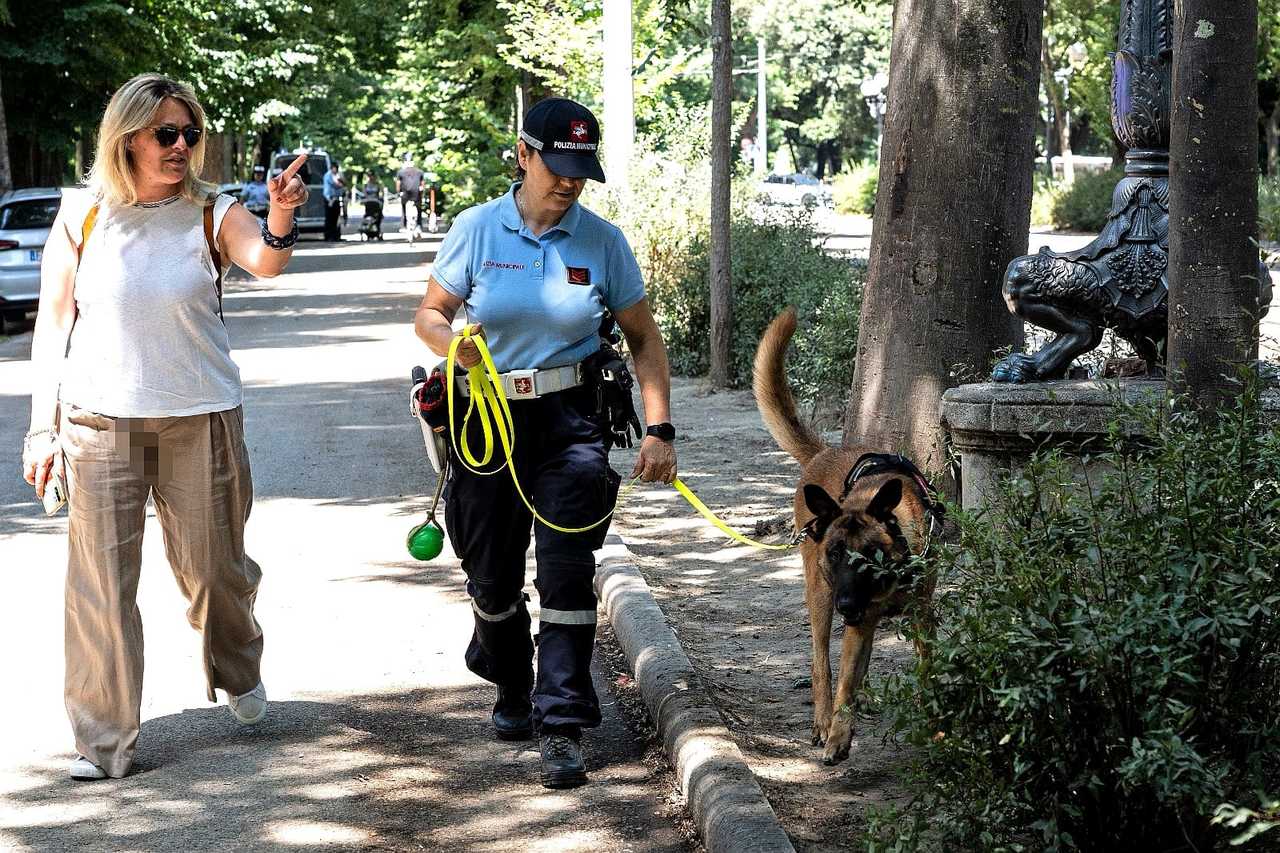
579	275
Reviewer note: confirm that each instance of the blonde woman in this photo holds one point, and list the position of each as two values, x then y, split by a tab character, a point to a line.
147	403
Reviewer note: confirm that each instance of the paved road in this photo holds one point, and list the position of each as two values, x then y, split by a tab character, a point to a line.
377	737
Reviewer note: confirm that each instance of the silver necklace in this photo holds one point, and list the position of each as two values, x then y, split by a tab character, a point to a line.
161	203
520	206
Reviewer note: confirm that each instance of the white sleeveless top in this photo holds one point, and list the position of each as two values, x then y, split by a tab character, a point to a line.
148	341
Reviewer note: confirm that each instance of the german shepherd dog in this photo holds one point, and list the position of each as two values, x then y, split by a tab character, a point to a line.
866	514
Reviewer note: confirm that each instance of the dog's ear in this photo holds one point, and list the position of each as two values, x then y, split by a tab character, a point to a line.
821	505
882	505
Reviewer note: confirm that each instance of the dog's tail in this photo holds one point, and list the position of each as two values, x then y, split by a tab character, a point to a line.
773	394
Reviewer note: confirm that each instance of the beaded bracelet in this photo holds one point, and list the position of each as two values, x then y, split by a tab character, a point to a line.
279	242
26	439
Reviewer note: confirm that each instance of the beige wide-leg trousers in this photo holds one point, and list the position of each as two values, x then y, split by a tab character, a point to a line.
197	470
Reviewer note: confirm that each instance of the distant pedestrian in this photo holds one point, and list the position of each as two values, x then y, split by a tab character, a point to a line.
334	190
148	404
409	187
371	197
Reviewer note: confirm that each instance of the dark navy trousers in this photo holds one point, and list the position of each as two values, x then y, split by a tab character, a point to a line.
564	470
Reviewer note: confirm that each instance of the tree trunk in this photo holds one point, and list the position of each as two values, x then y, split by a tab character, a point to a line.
953	208
1048	142
216	165
721	161
791	147
1064	146
82	158
1213	201
6	173
828	158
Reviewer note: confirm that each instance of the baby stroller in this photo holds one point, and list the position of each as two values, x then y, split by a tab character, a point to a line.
371	224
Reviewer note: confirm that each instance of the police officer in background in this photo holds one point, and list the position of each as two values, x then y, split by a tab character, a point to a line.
538	272
255	196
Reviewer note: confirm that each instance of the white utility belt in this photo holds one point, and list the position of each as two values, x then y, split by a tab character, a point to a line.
531	384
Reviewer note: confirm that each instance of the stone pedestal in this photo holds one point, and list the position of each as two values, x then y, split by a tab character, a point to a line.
995	427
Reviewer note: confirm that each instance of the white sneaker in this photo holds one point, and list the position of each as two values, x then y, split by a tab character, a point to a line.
251	707
84	770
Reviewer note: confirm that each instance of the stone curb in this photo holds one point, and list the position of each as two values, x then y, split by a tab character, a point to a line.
732	813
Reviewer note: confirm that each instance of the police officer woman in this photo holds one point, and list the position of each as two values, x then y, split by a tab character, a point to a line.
538	271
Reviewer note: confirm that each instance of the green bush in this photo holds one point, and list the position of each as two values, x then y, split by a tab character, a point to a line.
854	190
1105	671
1269	208
1084	205
1044	195
777	260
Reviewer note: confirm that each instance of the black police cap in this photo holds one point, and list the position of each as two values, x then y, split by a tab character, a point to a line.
567	136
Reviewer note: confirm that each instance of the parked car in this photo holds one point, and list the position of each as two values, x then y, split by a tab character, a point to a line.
310	217
25	219
797	189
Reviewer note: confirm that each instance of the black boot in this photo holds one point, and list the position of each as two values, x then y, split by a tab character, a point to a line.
513	714
562	765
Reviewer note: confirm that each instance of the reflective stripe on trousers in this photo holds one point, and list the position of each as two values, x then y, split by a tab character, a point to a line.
567	617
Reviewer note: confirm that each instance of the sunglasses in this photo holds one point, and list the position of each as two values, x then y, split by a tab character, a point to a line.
167	135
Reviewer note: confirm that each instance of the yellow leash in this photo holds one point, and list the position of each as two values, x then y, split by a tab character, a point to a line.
710	516
488	397
489	403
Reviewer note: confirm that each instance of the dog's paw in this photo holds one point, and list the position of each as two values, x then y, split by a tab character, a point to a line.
838	739
835	752
821	725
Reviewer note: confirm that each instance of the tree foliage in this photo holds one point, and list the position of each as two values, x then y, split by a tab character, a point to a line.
371	81
820	52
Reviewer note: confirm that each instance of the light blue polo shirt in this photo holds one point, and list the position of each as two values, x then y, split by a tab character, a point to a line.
540	298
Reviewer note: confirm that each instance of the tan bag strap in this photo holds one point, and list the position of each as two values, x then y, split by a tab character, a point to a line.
91	219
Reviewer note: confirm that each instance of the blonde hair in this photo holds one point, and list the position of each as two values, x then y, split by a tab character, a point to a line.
131	109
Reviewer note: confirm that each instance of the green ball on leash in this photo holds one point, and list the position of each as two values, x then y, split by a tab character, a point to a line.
426	541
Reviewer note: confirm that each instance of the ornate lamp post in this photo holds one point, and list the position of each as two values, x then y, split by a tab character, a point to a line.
1119	280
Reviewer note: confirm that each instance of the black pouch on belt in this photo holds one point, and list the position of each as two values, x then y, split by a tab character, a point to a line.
609	377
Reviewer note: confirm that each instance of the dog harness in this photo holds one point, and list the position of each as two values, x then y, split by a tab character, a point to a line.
882	463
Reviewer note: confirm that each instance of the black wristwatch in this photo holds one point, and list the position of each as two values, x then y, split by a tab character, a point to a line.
665	431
